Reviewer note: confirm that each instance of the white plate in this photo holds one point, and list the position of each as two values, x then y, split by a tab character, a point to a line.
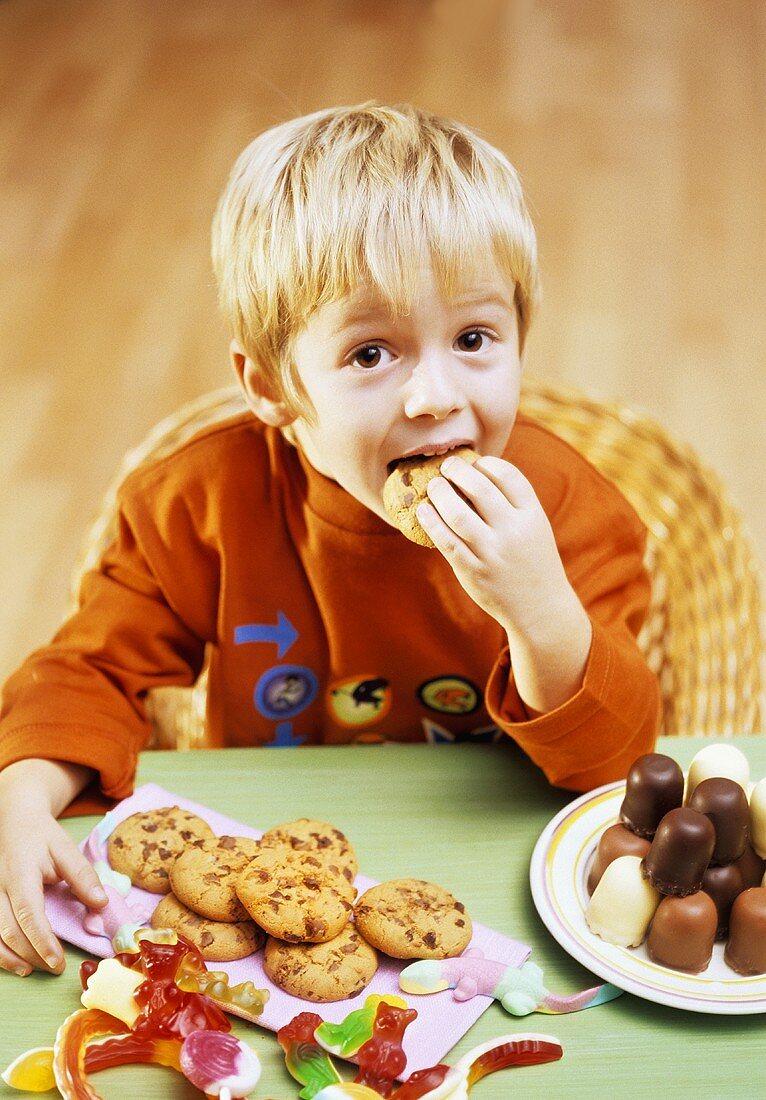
558	874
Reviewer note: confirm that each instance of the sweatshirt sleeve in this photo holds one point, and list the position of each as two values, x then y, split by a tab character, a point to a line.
81	699
595	736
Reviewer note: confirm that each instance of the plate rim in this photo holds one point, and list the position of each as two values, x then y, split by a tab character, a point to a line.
592	959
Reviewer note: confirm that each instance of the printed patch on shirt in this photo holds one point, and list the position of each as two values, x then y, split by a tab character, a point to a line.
437	734
359	700
285	690
450	695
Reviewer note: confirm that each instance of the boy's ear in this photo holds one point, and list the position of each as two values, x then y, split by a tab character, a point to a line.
268	408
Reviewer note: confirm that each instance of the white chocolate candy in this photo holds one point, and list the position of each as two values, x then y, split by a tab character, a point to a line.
758	818
623	904
718	761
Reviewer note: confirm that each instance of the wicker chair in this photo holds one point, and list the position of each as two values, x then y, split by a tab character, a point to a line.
702	635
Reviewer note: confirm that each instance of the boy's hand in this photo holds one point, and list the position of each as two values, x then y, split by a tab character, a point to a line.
34	850
502	550
504	555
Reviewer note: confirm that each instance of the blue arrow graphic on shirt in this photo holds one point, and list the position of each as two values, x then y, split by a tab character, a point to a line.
284	737
284	634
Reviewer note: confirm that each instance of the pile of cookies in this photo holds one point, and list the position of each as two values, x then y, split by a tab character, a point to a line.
290	892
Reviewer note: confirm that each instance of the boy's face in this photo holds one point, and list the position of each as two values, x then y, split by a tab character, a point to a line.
446	374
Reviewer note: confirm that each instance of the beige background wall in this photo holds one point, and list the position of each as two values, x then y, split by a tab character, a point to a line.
637	126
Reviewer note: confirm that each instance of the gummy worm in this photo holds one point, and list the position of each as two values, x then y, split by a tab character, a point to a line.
70	1046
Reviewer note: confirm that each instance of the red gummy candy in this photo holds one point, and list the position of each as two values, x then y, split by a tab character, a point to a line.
421	1083
161	960
168	1012
381	1059
123	1050
300	1029
199	1013
87	970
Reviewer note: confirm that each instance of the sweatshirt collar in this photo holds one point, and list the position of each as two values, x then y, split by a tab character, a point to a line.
332	503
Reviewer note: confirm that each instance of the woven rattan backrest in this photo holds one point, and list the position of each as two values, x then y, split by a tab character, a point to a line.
702	635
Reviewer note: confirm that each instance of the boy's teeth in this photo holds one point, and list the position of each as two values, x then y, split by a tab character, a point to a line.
419	454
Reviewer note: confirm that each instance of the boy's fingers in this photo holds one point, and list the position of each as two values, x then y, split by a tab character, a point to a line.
485	496
14	963
24	928
72	866
443	537
9	959
453	510
509	480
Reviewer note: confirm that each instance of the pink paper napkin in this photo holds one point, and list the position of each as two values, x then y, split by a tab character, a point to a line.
441	1020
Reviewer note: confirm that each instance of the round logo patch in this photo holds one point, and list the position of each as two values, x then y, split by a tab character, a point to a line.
450	695
359	700
285	690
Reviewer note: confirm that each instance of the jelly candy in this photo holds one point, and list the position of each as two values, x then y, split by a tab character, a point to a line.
305	1059
381	1059
69	1050
519	989
345	1038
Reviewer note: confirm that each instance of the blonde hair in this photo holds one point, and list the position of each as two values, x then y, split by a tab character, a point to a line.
354	196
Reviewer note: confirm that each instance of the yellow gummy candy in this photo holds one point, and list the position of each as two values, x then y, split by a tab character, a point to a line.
215	984
31	1071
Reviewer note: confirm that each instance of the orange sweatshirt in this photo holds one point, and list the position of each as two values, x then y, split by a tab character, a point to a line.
323	624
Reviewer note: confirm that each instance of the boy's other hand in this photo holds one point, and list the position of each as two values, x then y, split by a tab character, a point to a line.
35	851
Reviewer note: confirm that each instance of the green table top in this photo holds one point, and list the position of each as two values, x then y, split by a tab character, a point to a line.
466	817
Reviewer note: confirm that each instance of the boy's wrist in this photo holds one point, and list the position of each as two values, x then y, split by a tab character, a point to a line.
551	625
55	782
549	658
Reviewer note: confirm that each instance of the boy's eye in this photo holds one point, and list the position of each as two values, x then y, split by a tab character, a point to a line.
371	355
475	340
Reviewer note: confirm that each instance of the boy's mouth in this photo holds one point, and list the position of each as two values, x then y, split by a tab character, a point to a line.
428	451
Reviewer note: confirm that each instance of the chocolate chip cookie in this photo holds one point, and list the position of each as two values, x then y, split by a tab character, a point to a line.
204	877
329	971
405	490
294	896
146	845
308	835
217	941
411	919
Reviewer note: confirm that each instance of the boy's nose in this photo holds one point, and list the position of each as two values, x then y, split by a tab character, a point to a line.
432	391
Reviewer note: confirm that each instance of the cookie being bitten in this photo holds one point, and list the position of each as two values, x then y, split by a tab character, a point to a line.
405	489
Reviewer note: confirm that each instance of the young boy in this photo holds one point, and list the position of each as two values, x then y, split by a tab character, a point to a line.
377	267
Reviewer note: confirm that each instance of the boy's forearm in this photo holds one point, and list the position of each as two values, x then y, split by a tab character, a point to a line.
54	781
549	662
